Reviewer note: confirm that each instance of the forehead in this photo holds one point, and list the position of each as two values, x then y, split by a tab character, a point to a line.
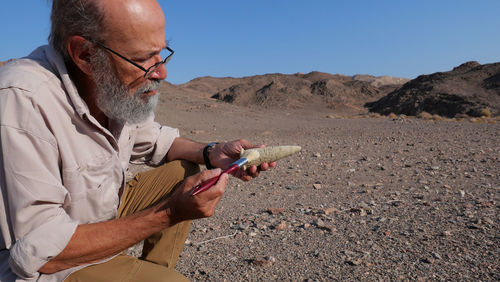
134	24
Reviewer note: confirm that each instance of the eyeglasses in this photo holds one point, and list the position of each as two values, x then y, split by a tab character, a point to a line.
149	71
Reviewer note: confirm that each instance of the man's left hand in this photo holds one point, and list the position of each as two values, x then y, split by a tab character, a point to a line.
224	154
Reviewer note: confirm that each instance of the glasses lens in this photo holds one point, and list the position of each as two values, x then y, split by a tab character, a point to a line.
165	56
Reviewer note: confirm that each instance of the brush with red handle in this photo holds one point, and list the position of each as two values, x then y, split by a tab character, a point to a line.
209	183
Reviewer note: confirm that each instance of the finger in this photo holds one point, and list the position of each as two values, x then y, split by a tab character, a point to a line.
253	171
263	166
201	177
215	192
220	186
209	174
247	145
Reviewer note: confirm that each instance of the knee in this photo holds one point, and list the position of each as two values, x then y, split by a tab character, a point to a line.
181	169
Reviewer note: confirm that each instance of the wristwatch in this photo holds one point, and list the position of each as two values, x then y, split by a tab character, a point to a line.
206	151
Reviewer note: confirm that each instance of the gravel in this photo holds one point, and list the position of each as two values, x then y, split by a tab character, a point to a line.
366	198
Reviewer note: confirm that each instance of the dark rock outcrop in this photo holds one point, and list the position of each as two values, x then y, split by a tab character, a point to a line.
469	89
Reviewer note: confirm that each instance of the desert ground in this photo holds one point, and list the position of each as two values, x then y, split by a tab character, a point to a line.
367	198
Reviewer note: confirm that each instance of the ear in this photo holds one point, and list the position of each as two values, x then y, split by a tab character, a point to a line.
79	51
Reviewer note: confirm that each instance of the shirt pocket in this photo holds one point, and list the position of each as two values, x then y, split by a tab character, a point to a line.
93	189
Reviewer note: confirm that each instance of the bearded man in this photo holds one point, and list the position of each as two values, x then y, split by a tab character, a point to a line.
73	114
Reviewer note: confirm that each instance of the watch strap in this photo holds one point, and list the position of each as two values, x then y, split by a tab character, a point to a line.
206	151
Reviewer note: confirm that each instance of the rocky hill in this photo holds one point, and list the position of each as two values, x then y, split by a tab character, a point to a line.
470	89
295	90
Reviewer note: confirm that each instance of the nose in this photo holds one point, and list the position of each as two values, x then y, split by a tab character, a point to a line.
160	73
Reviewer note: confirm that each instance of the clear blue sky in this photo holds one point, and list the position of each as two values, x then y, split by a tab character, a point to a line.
403	38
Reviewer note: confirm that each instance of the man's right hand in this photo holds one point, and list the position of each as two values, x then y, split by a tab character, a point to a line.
96	241
181	205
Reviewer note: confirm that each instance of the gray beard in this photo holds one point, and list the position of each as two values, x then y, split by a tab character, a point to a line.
113	97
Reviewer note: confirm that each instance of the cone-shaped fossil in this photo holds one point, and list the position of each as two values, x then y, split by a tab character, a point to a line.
257	156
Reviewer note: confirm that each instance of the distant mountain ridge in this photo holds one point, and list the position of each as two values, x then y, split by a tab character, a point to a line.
295	90
470	89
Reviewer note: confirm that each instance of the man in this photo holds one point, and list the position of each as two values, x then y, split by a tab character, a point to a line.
72	116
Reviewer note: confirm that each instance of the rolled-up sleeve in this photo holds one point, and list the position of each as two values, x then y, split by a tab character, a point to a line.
37	247
36	197
152	142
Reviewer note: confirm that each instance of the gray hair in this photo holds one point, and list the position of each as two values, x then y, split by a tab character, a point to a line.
74	17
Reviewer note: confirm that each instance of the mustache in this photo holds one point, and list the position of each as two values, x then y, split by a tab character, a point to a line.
150	86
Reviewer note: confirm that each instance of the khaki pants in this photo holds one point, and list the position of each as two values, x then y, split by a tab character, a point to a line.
161	251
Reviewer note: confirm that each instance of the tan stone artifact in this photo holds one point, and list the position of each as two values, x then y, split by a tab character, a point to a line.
257	156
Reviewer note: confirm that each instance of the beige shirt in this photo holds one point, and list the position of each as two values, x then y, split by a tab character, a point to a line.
58	166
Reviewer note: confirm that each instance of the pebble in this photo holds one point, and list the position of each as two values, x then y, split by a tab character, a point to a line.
361	211
317	155
275	211
266	261
446	233
436	255
291	187
197	131
318	222
331	210
317	186
354	262
281	226
428	260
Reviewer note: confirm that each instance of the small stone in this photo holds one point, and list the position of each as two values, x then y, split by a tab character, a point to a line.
462	193
242	226
267	261
428	260
197	131
318	222
446	233
252	234
281	226
291	187
317	155
321	225
354	262
436	255
488	220
306	225
447	187
317	186
360	211
331	210
275	211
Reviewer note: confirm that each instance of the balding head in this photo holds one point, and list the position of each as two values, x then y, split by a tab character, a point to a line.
133	22
102	20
